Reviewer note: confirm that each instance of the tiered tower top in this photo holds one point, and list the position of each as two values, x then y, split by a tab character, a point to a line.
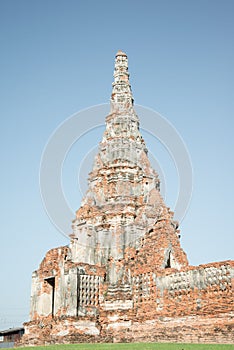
121	97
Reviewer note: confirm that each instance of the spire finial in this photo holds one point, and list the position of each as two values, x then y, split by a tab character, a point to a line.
120	53
121	89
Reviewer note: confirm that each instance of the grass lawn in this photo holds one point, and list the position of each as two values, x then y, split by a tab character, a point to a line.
134	346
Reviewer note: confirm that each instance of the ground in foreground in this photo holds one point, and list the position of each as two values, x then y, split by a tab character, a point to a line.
135	346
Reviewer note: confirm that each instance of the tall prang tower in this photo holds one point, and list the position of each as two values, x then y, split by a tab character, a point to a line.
123	202
124	276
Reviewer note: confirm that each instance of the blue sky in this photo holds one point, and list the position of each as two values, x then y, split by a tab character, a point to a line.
57	58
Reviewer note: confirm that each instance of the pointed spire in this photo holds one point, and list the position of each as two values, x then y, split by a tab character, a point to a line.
121	97
123	201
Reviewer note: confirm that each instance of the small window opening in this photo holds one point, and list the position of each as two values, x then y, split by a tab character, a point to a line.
104	279
168	263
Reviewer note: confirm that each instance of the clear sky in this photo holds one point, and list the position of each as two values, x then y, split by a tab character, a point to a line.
57	58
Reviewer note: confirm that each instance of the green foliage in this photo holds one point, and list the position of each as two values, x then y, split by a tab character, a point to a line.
135	346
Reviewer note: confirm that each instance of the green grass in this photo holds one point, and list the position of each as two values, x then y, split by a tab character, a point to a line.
134	346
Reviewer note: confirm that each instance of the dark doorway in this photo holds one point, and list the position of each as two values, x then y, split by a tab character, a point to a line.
51	282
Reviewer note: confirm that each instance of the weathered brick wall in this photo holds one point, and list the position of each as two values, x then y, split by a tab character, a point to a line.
49	330
188	329
150	303
207	289
192	305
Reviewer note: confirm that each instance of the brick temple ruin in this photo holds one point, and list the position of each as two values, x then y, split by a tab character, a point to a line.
124	276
